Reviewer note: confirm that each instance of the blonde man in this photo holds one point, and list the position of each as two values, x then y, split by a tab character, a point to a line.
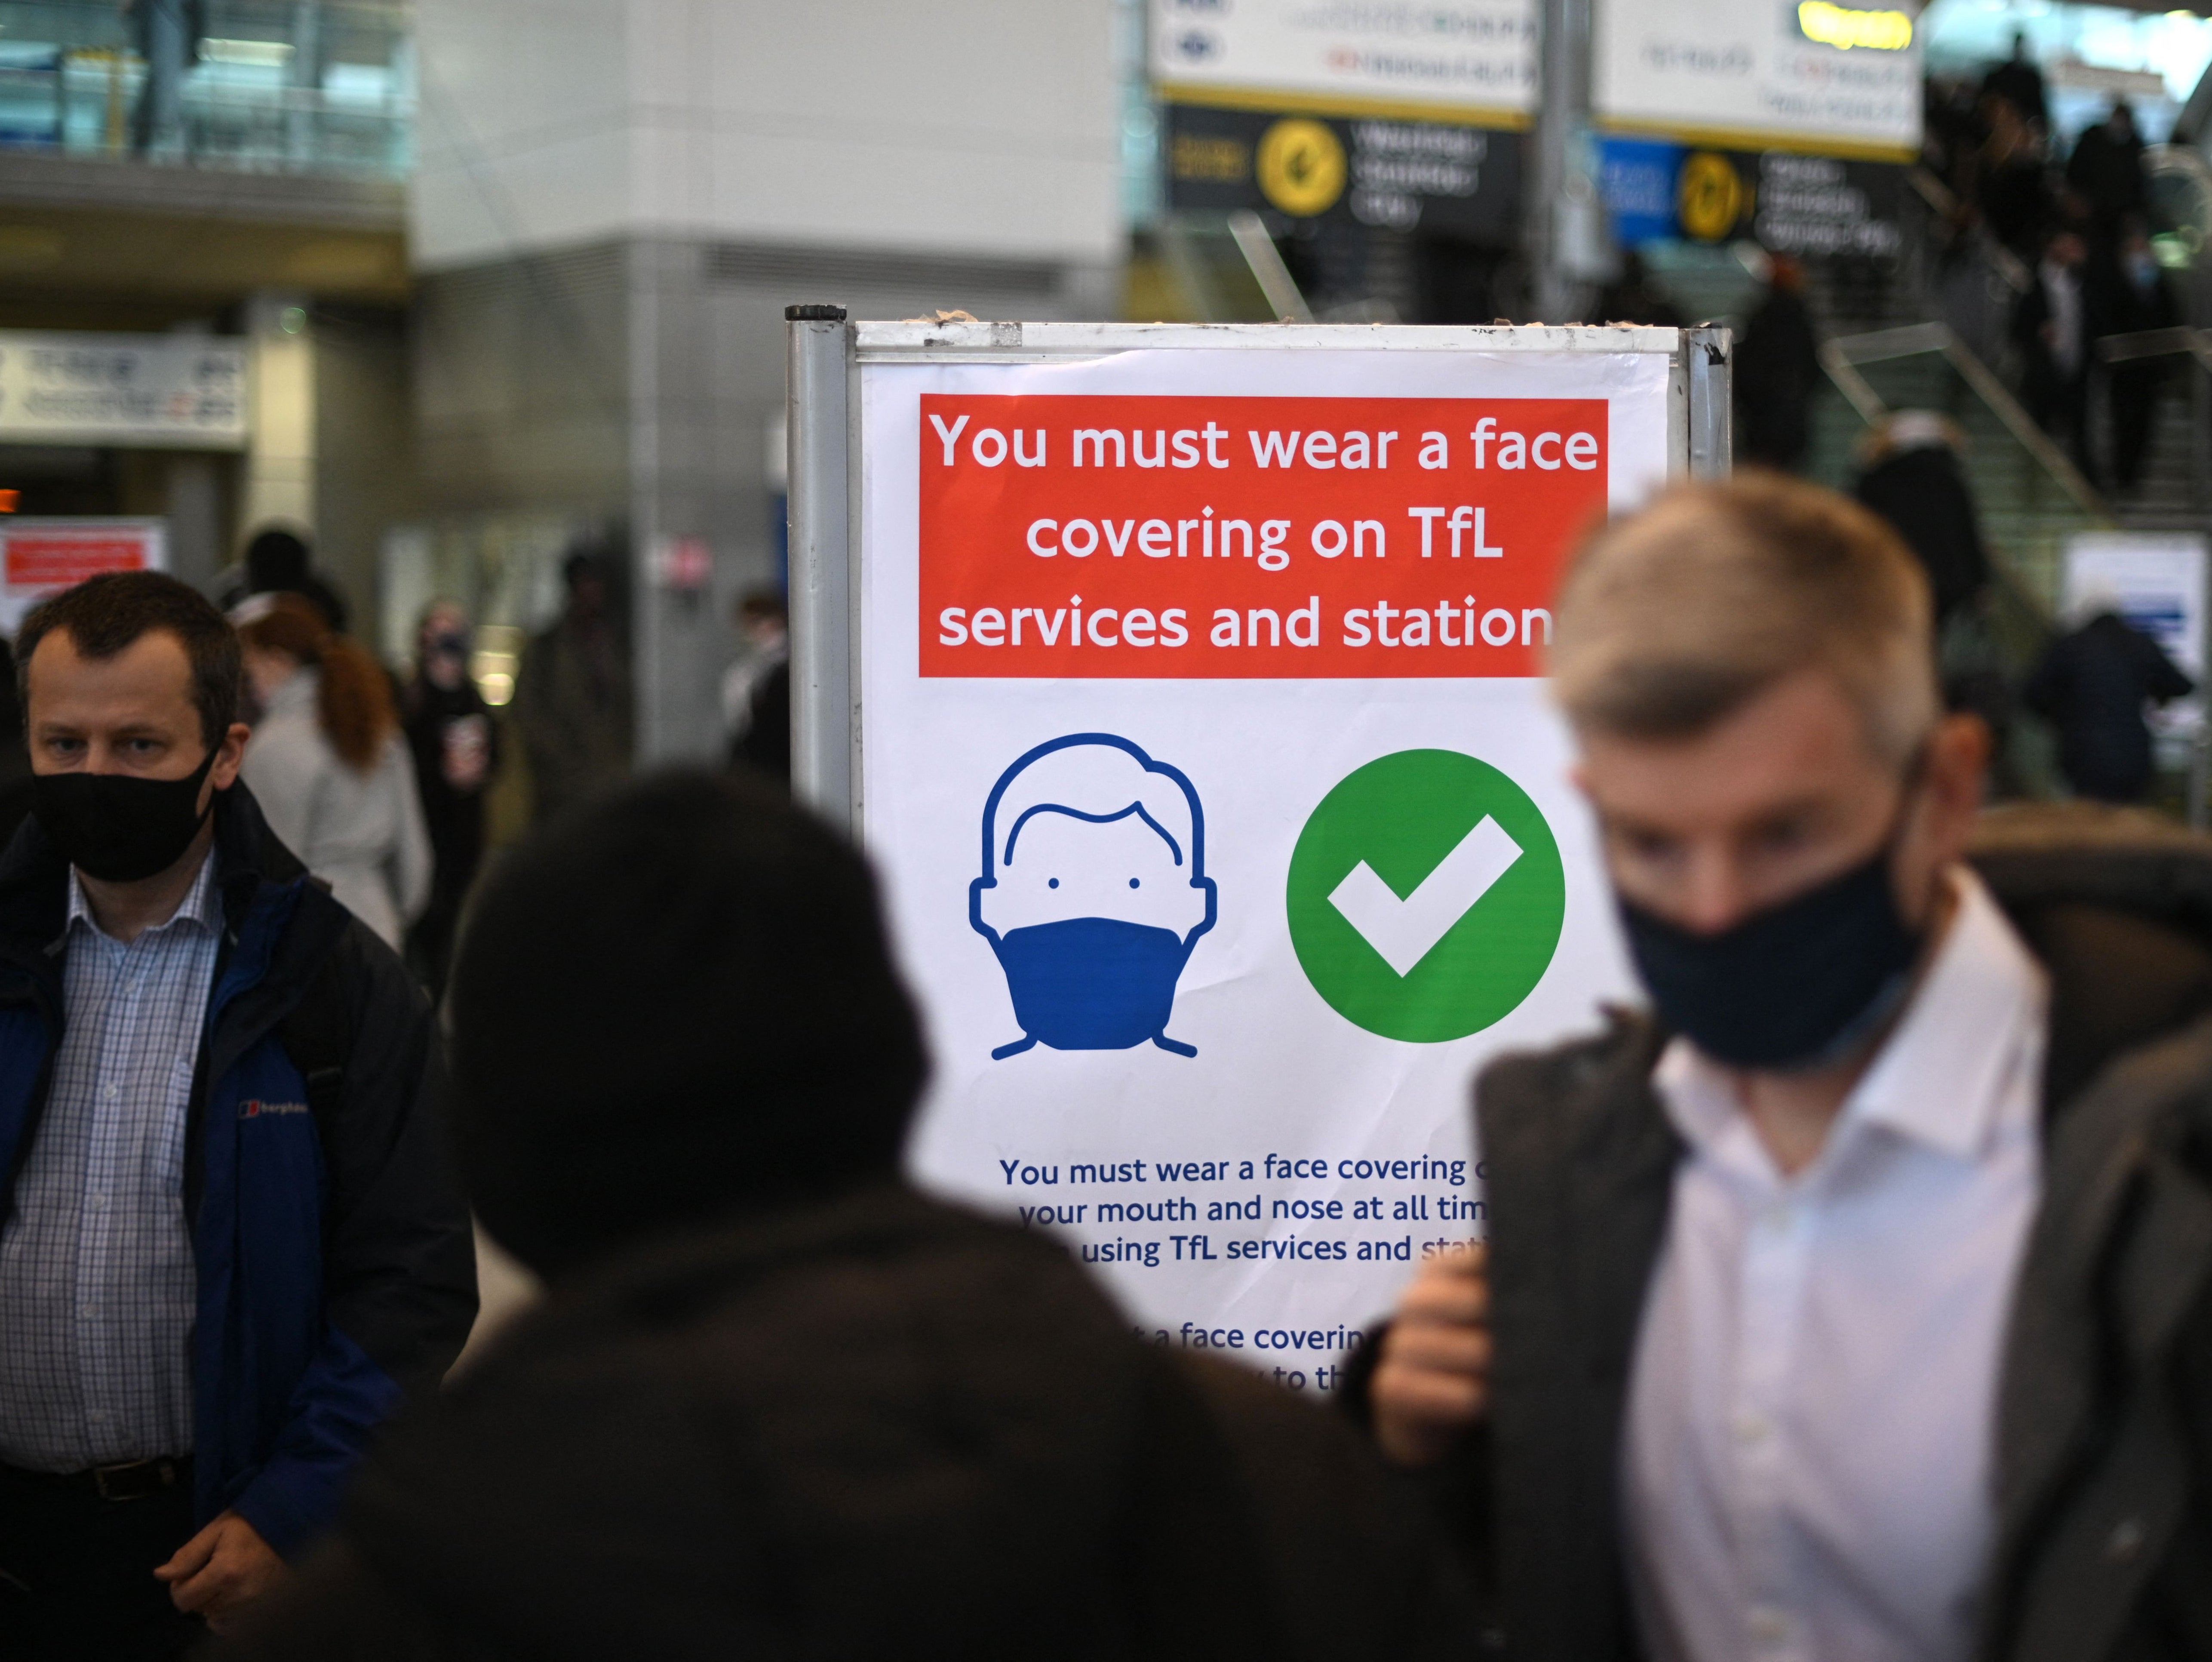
1856	1303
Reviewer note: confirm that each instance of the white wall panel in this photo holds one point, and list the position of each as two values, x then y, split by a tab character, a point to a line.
988	128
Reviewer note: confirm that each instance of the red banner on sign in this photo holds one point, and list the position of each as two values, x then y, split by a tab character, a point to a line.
60	559
1177	537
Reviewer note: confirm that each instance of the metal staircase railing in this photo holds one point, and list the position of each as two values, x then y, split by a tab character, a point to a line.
1842	356
2195	346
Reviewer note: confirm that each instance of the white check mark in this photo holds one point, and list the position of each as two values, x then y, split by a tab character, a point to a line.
1403	932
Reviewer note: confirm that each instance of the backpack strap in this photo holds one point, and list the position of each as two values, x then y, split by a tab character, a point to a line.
317	1035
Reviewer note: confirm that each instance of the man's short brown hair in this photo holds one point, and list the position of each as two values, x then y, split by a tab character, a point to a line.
105	615
1674	619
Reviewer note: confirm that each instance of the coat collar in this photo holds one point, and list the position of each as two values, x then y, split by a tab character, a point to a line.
34	878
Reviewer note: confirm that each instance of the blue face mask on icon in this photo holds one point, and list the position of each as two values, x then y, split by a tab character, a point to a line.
1092	983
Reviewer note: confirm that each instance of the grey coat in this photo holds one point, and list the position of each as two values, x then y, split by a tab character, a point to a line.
2103	1550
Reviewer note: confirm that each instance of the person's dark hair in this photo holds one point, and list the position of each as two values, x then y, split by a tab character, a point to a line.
276	559
761	603
597	559
105	615
673	1004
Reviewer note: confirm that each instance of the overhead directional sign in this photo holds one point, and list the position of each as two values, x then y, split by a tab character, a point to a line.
170	391
1813	76
1473	60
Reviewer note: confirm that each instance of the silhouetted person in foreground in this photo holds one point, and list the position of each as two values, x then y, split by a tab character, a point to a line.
778	1403
2093	686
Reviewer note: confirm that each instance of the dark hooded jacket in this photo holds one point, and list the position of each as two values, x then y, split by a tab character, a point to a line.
1923	492
335	1264
2104	1462
2093	684
877	1428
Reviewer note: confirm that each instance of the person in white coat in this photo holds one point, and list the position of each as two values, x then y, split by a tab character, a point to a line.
330	766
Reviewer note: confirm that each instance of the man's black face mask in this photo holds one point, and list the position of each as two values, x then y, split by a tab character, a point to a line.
1795	986
117	827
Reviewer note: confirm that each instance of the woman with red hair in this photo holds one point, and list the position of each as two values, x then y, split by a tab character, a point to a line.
329	767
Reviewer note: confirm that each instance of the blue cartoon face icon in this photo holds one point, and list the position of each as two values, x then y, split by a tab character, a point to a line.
1094	890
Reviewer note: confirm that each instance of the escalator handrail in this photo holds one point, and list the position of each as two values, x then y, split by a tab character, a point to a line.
1847	352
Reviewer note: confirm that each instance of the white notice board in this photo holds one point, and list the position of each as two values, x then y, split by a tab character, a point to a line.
1224	825
39	557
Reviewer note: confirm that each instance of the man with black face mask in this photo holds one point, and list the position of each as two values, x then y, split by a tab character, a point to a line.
1857	1302
229	1235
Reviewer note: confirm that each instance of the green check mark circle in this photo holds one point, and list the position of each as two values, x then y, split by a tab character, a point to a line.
1425	895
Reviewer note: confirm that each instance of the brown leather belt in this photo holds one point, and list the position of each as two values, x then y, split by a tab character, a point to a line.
135	1480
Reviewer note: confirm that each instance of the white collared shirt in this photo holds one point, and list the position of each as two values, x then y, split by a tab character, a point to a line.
1808	1457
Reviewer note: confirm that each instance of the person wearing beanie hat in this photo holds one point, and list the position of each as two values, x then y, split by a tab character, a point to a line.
776	1402
677	1005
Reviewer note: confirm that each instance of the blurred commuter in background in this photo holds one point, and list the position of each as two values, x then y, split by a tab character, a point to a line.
2051	325
1911	476
2094	686
574	703
2106	172
230	1233
1777	365
329	768
757	686
778	1403
1884	1329
279	561
2129	294
765	743
1634	298
2020	83
2012	185
456	747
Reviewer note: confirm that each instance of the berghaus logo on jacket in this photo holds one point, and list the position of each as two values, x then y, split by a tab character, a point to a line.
252	1108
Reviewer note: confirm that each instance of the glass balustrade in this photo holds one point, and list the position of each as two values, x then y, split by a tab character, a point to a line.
325	87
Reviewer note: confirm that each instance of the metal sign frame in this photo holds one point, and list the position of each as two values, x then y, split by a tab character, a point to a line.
826	353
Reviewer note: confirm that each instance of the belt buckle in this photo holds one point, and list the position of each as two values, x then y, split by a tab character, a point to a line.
163	1471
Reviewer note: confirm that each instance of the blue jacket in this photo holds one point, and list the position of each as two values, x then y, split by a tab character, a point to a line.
335	1265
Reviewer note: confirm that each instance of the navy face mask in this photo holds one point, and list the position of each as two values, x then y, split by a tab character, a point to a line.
1093	983
1795	986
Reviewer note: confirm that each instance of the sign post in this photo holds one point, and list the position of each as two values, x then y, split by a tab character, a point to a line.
1183	683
